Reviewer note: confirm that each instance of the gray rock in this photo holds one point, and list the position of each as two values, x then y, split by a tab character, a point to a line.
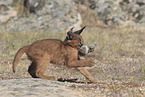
35	87
59	15
120	12
109	12
55	15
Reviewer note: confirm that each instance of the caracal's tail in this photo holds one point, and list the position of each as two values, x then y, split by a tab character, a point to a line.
17	57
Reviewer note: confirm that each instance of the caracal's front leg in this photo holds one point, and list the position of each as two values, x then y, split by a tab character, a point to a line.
80	65
88	76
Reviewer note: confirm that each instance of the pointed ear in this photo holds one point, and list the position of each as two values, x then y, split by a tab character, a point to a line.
80	31
70	31
69	34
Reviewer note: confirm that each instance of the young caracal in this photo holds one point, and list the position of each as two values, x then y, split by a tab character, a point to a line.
46	51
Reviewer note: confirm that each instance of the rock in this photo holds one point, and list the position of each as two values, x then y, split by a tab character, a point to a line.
6	15
36	5
55	15
60	15
134	9
140	2
89	3
3	8
88	16
35	87
120	11
108	11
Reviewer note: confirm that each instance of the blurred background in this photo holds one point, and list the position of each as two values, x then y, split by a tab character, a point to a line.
59	15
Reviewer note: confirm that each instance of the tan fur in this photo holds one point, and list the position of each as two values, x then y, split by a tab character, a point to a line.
43	52
18	56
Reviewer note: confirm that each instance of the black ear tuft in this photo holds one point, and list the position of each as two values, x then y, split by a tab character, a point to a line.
80	31
72	28
69	34
70	31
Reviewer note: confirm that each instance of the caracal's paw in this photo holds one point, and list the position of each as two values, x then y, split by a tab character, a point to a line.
52	78
95	81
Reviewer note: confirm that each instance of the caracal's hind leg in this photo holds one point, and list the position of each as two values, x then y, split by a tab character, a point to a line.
41	68
38	67
32	70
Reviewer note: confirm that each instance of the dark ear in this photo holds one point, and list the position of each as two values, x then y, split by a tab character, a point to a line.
69	34
80	31
70	31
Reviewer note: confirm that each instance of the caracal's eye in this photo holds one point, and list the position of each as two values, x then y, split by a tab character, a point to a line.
81	42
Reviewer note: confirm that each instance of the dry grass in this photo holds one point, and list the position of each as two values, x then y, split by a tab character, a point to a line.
119	56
